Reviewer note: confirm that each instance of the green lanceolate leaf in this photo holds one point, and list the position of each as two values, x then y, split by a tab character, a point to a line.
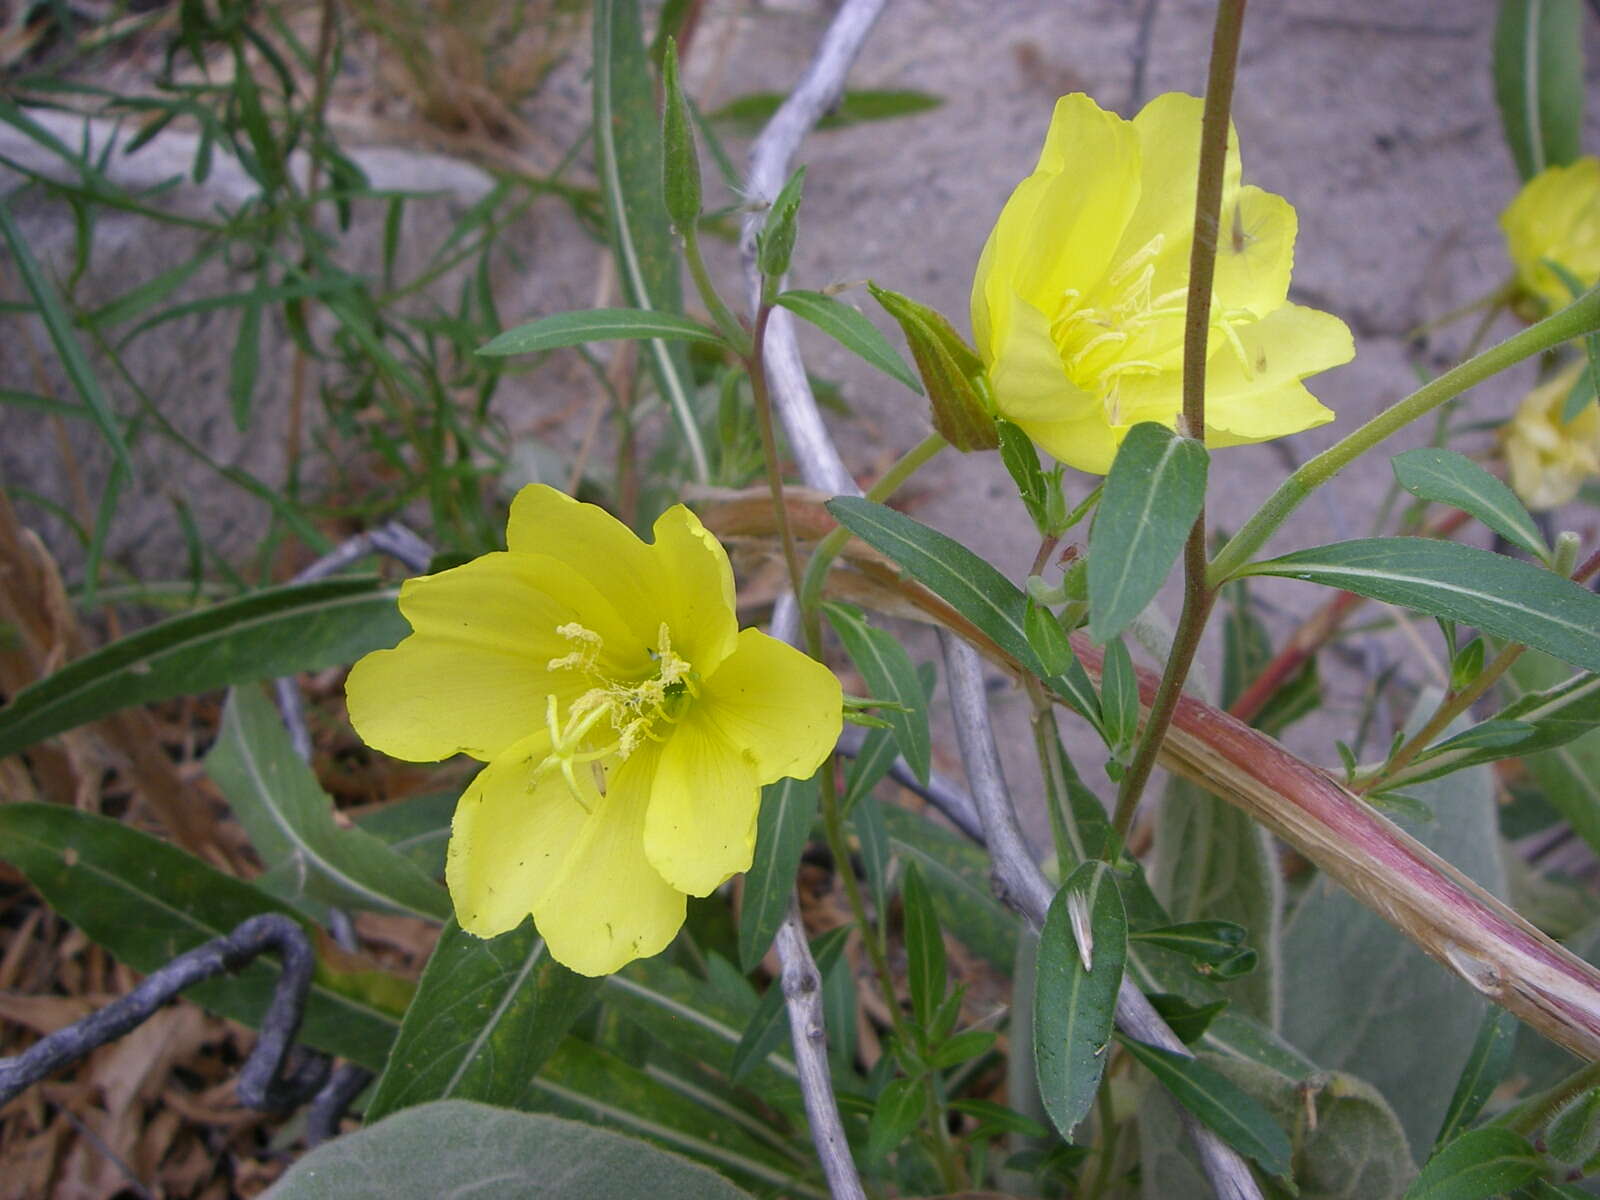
751	111
1082	948
1483	1071
964	581
845	325
146	902
1203	941
895	1115
456	1147
628	164
925	966
598	325
417	827
1119	697
1021	461
1478	1164
957	875
59	326
290	819
1430	473
487	1014
1534	722
1538	81
1048	639
1153	493
583	1082
1501	596
1220	1104
890	675
788	807
276	631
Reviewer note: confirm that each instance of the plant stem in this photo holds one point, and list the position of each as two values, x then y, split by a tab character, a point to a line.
828	548
1107	1156
721	314
1197	596
769	452
1449	709
1535	1111
1578	318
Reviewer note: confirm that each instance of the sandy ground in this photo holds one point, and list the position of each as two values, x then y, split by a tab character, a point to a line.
1375	119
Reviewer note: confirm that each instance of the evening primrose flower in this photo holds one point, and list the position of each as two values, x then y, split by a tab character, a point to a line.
1549	460
1556	218
627	723
1078	304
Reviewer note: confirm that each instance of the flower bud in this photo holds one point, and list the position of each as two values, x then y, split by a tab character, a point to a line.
951	372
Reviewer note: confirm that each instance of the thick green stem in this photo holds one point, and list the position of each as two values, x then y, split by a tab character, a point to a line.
1197	597
721	314
1580	317
828	548
1535	1111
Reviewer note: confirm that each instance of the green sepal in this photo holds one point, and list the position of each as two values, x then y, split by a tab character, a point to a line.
952	372
680	164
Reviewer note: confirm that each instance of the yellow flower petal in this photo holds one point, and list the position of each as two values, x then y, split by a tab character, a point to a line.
781	707
1556	216
699	598
596	547
1027	377
473	675
1255	252
1168	129
1080	215
1549	459
1262	397
701	825
520	845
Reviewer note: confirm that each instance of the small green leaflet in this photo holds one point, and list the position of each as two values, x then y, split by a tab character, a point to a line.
598	325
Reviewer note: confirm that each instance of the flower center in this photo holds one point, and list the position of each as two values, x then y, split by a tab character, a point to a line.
615	716
1123	328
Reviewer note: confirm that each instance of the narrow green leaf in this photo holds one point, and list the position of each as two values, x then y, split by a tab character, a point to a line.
957	875
486	1016
1478	1164
1501	596
289	818
788	808
749	112
890	675
456	1147
627	142
925	966
895	1115
1219	1104
1204	941
273	632
1048	639
1538	81
1188	1021
1074	1004
846	325
245	365
59	326
146	902
417	827
871	763
1430	473
588	1084
1022	464
1480	1074
867	820
1119	697
597	325
1153	493
966	582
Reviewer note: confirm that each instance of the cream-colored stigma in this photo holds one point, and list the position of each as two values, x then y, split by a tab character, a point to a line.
614	717
1099	336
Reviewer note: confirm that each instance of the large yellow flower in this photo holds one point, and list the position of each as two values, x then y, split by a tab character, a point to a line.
1549	460
1556	218
1078	303
627	723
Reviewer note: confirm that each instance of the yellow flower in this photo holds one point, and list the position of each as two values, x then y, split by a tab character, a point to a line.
1549	460
1556	217
628	725
1078	303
